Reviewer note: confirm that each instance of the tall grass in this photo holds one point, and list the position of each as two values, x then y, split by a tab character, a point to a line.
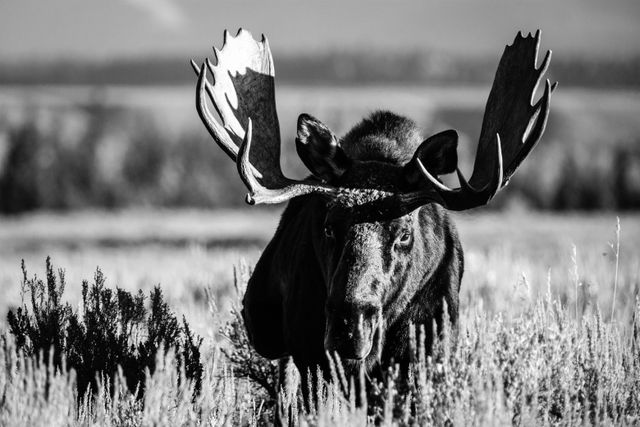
546	366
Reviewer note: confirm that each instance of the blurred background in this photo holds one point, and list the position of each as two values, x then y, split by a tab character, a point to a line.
97	100
102	152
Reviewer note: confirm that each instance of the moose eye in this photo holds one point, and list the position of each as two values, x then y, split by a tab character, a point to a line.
328	231
405	238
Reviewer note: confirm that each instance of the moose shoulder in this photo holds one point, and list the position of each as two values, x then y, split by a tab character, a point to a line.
365	247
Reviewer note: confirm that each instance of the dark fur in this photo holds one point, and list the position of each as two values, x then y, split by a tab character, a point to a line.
306	282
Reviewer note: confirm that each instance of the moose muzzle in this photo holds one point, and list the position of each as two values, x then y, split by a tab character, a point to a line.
350	332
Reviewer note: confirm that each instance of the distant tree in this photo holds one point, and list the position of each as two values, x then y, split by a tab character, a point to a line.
19	186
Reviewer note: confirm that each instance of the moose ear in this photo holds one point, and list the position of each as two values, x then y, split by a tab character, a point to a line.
319	149
437	154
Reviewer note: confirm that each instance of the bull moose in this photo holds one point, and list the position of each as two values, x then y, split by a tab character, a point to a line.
365	246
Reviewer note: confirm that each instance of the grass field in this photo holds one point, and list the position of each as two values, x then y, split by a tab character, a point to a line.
187	251
512	262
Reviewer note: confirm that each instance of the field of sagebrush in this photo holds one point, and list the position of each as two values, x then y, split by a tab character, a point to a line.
549	327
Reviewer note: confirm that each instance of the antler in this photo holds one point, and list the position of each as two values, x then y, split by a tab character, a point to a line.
243	91
510	129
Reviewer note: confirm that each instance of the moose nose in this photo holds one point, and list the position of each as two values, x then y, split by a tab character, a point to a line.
349	331
349	345
349	350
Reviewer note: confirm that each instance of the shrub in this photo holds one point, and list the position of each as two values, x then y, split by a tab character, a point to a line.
244	360
112	329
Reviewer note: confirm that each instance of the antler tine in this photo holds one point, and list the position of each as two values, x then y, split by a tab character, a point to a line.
217	132
435	181
244	166
496	183
545	64
231	97
195	67
467	196
473	197
533	133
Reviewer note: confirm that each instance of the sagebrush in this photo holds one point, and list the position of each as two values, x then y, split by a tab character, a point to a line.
552	364
111	331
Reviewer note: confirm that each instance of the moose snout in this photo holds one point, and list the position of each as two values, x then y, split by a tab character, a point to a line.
349	331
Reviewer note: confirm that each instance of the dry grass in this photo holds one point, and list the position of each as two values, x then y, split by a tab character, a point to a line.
536	347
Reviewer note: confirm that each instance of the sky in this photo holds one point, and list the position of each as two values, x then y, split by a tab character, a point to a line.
108	29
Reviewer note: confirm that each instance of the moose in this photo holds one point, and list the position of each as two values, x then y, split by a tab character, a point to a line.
365	247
